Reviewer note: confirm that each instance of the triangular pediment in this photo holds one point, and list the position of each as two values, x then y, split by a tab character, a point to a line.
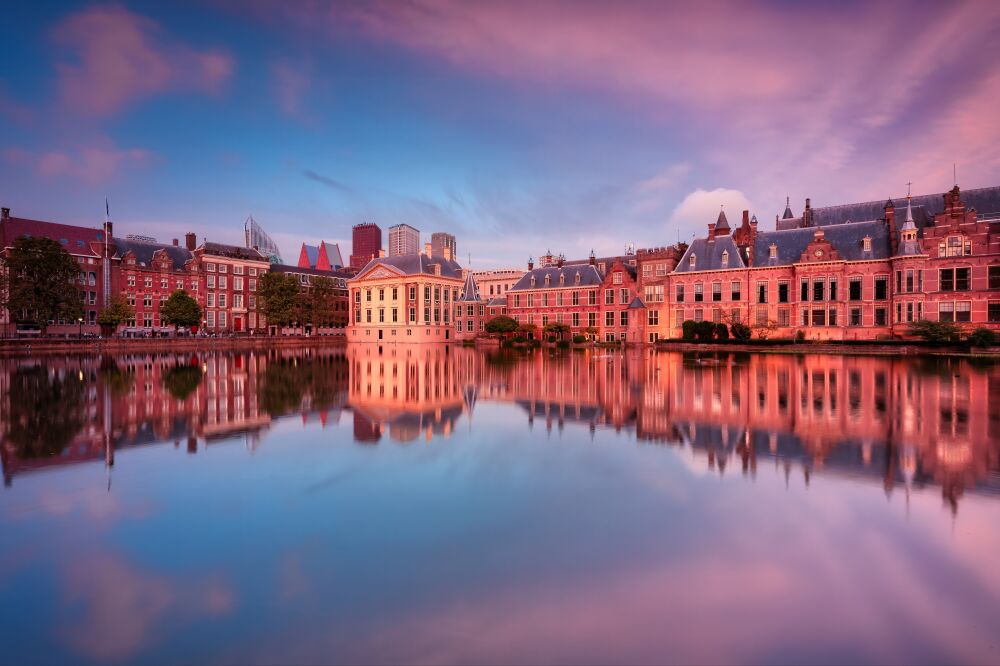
378	272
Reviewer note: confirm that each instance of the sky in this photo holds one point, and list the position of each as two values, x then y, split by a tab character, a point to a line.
520	127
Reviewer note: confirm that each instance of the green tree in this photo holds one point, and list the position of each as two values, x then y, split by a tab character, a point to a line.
181	380
37	283
278	298
501	324
50	410
936	331
983	337
320	304
557	329
180	310
116	313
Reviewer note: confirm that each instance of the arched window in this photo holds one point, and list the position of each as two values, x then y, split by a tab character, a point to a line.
773	251
725	258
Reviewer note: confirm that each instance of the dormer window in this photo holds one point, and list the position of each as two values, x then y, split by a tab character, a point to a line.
617	278
955	247
562	280
866	243
725	258
548	280
532	280
576	280
772	251
692	260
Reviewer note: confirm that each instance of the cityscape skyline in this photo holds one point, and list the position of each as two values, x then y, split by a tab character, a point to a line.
536	128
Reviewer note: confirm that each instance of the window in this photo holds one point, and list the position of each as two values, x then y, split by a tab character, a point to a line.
866	244
899	282
909	311
698	314
804	290
762	292
735	290
223	268
576	298
623	296
413	315
963	311
833	317
624	318
854	289
783	292
222	300
783	318
692	260
592	319
222	282
717	315
880	318
819	317
909	281
575	319
617	278
881	287
819	290
962	281
994	273
716	291
955	245
725	258
609	318
131	280
698	295
855	317
609	296
946	311
993	311
661	270
592	297
210	268
148	282
680	293
762	315
237	270
653	317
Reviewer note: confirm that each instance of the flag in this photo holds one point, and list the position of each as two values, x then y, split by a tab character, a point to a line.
107	210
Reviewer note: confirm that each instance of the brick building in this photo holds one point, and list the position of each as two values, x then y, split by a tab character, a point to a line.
231	273
366	244
560	293
145	273
340	303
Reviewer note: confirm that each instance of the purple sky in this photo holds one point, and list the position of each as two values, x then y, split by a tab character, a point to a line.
516	126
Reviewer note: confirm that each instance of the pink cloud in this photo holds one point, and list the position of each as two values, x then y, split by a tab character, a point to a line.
289	83
94	163
119	58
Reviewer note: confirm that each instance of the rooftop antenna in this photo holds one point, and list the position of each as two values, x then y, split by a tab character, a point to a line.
954	173
908	184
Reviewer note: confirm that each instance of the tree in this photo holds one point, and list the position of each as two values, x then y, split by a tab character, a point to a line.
501	324
37	283
116	313
557	329
936	331
527	330
278	298
181	380
740	331
983	337
319	305
180	310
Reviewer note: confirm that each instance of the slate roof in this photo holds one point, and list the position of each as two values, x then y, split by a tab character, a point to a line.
312	254
75	239
288	268
845	238
636	304
144	251
470	291
497	302
708	255
722	222
333	254
589	277
414	264
233	251
984	200
788	209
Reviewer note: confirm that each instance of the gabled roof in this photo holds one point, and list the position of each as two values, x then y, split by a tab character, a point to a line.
416	264
75	239
312	254
144	251
333	254
470	291
232	251
708	255
846	239
589	277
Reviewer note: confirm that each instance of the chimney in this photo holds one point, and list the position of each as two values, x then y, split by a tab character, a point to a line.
711	231
746	218
807	214
175	242
559	262
890	222
531	264
593	258
4	213
190	241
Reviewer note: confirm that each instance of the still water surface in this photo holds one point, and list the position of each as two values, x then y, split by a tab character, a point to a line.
435	504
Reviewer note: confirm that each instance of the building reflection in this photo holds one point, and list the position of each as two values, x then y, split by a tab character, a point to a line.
899	422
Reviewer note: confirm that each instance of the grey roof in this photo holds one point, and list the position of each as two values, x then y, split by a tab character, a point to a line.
708	255
470	291
845	238
497	301
589	277
333	254
144	251
984	200
413	264
787	215
288	268
722	222
312	253
636	303
233	251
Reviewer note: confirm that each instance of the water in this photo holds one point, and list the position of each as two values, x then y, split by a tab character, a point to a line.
452	505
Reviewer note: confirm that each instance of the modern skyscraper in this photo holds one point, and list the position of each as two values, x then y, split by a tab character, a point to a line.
440	241
403	239
366	243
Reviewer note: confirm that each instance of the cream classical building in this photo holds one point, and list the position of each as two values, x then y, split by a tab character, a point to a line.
408	298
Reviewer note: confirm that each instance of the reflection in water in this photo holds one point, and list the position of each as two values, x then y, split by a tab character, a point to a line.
899	421
447	504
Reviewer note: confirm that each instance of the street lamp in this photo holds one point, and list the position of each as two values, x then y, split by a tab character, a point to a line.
79	320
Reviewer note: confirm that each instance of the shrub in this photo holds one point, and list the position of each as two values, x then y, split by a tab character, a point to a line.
563	344
800	336
579	339
704	330
983	337
688	329
519	338
721	331
740	331
936	331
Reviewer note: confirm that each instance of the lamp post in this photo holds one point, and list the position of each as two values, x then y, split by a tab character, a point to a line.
79	321
204	323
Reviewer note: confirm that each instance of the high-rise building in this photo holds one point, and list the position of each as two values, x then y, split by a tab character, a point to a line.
441	241
403	240
366	243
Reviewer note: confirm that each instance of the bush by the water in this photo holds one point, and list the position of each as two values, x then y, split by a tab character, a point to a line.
579	339
740	331
983	337
702	330
936	331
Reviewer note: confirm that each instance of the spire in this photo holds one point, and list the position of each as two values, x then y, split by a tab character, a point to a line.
787	215
470	292
908	232
722	222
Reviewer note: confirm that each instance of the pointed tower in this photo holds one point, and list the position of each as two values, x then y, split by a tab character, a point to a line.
908	243
722	225
787	215
470	291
